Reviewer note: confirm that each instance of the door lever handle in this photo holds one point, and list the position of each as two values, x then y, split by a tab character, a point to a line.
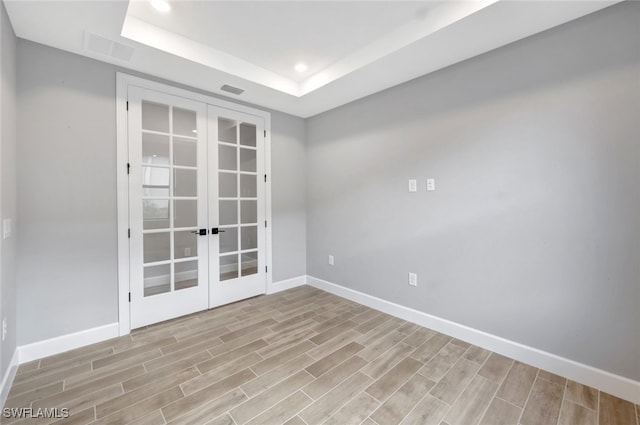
215	231
201	232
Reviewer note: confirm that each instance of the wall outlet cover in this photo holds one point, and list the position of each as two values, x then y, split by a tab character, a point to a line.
413	279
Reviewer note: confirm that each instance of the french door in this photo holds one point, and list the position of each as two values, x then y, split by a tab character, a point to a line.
235	205
195	201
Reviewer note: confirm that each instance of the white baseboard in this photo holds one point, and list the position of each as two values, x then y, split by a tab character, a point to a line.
283	285
619	386
49	347
7	379
163	279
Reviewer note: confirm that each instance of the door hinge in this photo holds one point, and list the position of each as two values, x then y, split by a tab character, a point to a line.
265	133
129	233
266	269
265	223
128	168
129	296
265	178
127	105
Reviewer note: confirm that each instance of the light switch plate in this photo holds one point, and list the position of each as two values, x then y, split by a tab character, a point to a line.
6	228
431	185
331	262
413	279
413	185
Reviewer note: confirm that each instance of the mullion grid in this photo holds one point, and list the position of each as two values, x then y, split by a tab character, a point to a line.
238	199
171	202
238	212
235	227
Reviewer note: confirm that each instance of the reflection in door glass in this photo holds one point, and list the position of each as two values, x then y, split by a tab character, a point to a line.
185	182
157	279
185	213
185	275
248	212
249	237
184	122
155	181
155	117
229	239
155	149
228	212
248	186
249	263
155	214
227	185
248	160
156	247
227	157
228	267
185	244
227	131
248	134
184	152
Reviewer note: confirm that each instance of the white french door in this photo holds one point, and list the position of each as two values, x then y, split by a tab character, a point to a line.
236	205
196	206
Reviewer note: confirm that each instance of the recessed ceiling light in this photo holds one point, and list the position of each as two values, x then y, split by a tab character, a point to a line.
161	5
301	67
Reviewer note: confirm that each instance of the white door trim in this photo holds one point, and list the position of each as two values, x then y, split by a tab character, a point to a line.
123	81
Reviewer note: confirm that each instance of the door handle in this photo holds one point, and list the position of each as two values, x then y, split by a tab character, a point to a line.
215	231
201	232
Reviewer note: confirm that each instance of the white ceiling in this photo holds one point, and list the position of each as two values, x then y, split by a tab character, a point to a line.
352	48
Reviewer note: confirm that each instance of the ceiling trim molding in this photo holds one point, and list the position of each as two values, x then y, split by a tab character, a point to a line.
430	22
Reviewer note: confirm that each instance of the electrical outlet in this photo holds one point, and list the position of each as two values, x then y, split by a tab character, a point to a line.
187	252
413	279
331	260
4	328
413	185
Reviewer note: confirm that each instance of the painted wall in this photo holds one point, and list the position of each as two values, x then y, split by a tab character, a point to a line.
289	196
8	187
67	193
532	233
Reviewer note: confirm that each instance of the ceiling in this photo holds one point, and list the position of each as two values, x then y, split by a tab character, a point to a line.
351	48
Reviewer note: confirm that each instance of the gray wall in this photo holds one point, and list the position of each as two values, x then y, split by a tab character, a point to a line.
8	186
533	232
67	194
289	196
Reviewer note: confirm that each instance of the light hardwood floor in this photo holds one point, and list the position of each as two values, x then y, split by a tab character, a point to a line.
300	357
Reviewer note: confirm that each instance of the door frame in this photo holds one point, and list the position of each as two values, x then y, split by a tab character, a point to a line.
123	81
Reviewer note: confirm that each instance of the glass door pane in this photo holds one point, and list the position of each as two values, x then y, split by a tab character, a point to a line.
169	198
168	203
236	160
237	198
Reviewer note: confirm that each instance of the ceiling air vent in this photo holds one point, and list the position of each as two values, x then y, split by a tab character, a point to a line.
231	89
103	46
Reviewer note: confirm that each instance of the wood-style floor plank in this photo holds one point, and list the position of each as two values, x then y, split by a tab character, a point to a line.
399	405
543	407
301	357
614	410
